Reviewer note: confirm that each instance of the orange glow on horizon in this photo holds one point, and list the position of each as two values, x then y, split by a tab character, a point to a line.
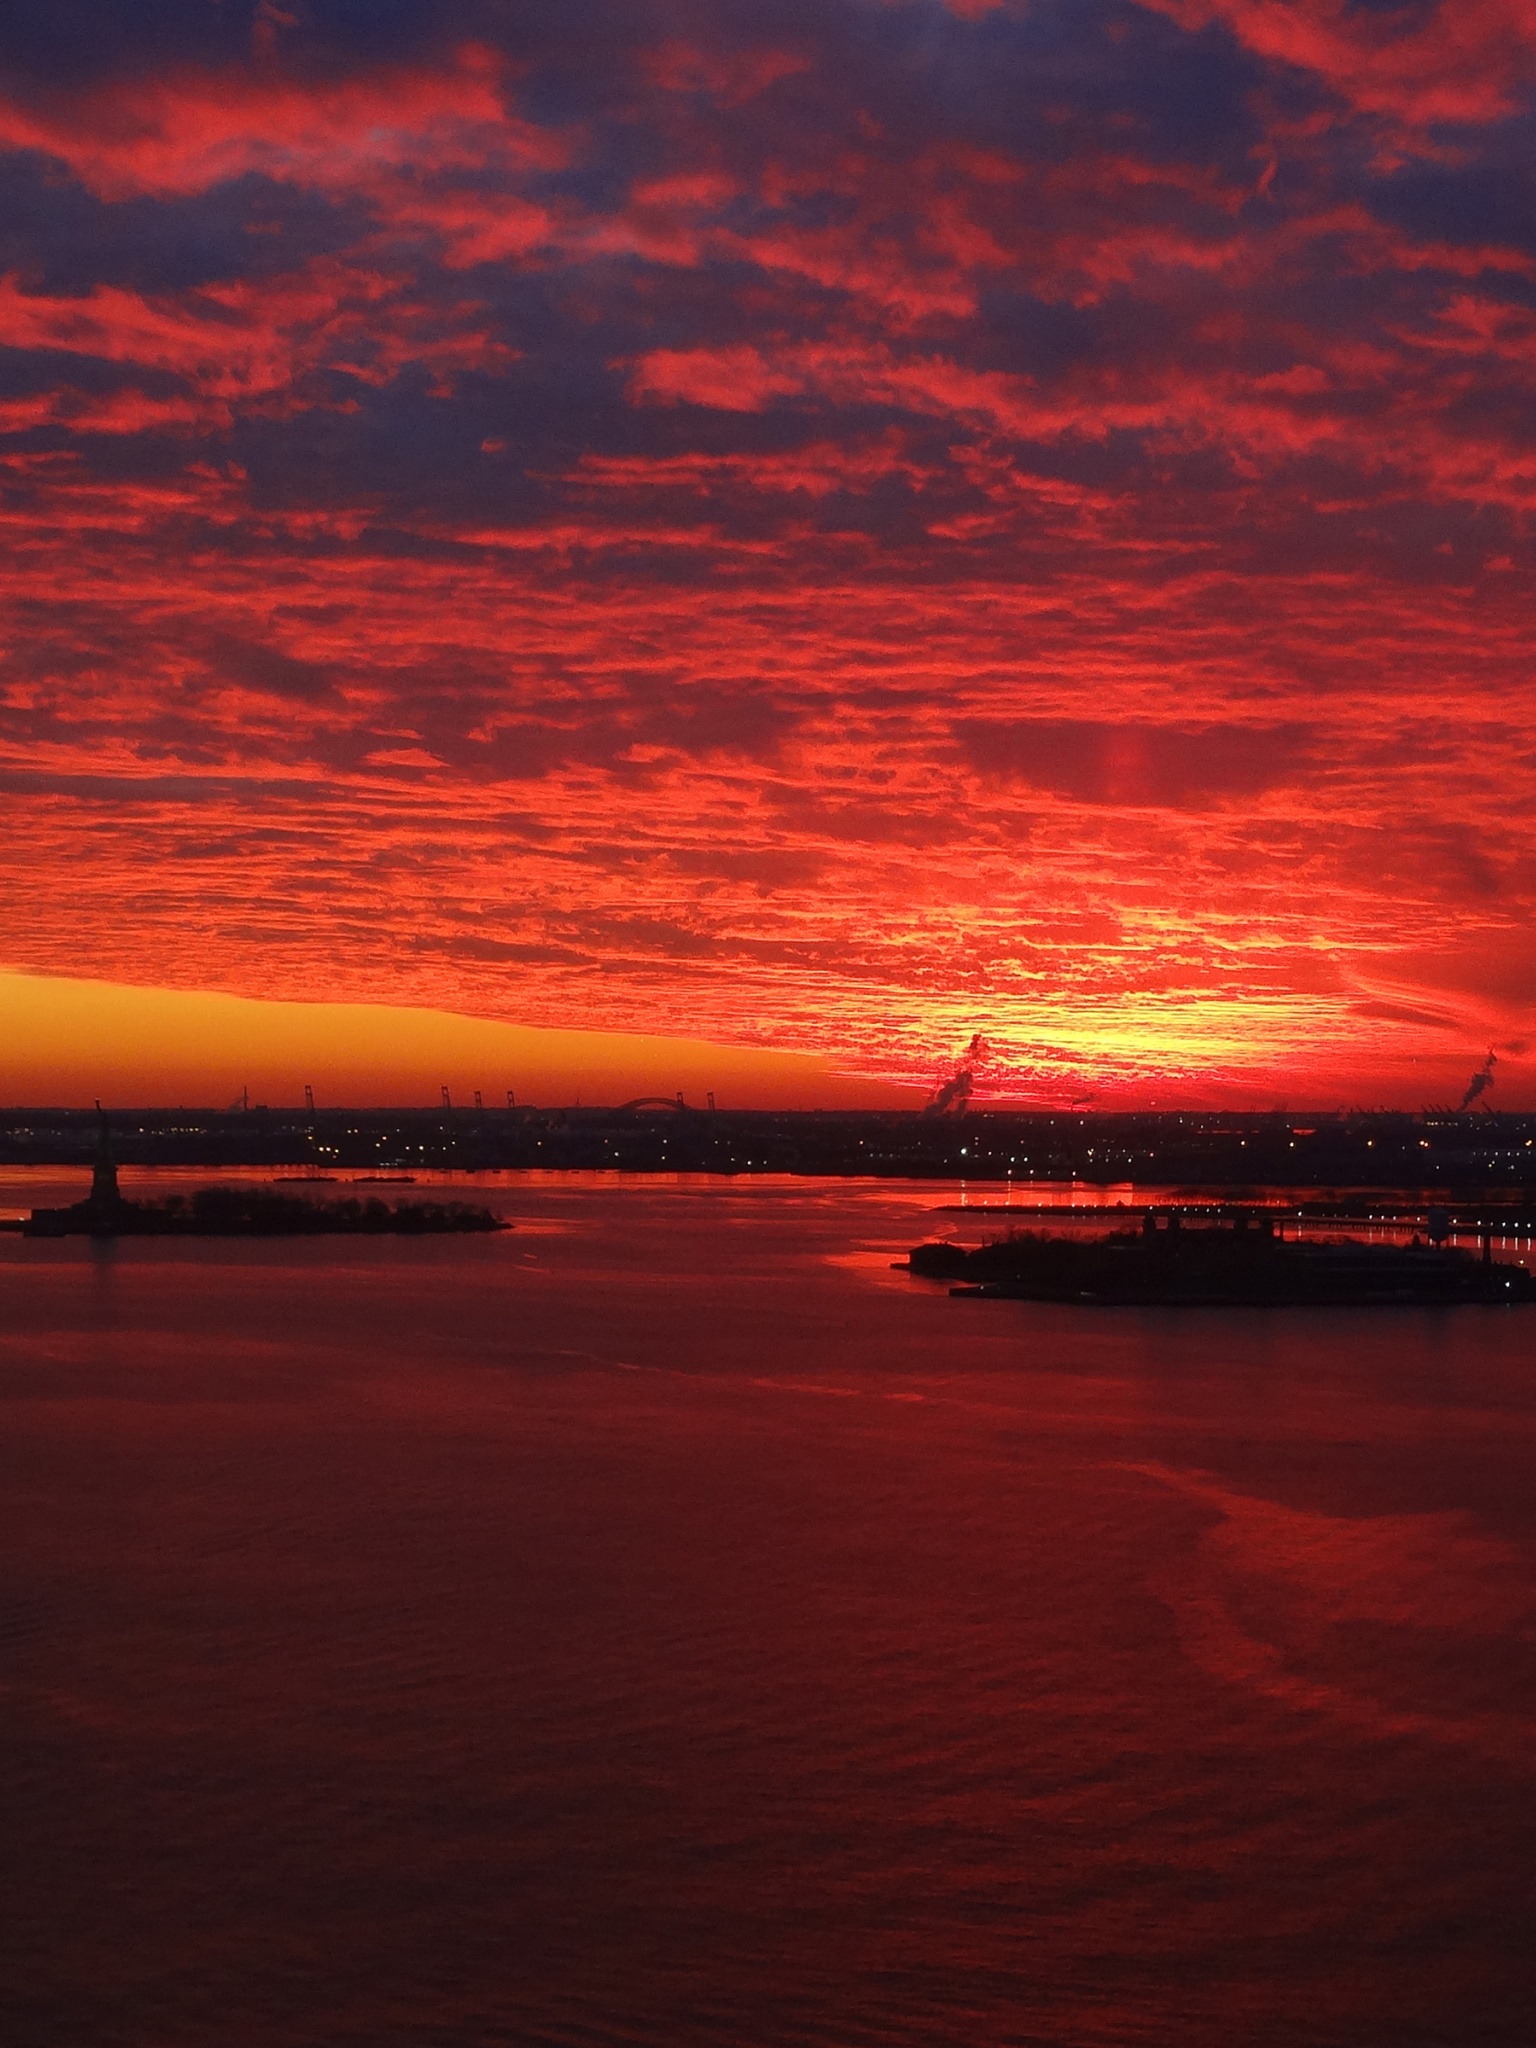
69	1042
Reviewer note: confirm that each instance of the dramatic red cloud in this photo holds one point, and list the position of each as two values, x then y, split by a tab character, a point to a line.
1471	61
189	129
835	531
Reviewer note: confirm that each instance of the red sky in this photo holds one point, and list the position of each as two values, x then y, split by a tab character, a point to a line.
827	527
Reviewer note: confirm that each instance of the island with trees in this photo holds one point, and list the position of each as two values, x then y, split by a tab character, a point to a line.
239	1211
1239	1260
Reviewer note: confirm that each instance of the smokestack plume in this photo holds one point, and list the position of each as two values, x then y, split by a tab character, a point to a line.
1480	1081
951	1096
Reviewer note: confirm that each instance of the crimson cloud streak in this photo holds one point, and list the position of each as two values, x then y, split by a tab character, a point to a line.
838	524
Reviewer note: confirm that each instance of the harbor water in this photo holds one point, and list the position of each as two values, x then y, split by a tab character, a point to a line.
667	1624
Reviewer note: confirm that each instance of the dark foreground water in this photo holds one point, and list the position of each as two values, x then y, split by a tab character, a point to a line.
667	1625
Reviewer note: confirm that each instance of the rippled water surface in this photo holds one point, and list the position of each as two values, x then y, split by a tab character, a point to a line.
666	1624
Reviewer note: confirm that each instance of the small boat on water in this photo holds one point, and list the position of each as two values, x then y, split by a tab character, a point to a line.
383	1180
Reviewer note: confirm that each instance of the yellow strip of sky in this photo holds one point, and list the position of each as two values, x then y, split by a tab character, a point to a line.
65	1042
